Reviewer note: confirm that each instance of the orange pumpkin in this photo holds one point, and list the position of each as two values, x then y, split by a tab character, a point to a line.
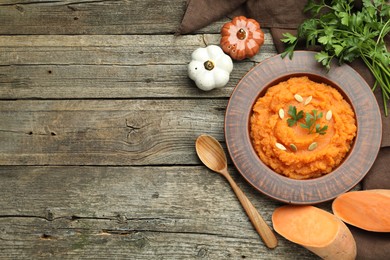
241	38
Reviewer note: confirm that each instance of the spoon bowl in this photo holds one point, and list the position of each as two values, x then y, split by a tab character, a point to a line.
211	153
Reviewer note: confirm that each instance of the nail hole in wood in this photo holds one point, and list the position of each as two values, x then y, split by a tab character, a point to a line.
46	236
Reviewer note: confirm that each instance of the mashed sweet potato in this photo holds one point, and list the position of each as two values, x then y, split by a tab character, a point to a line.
294	151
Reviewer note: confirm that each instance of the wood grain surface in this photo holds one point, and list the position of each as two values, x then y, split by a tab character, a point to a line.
107	66
98	121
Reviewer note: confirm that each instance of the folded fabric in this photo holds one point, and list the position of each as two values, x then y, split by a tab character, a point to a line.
269	13
371	245
200	13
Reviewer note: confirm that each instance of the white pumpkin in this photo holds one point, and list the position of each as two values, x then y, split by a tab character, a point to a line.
210	67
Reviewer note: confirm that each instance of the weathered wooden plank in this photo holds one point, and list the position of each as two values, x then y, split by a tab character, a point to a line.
108	66
109	49
98	49
104	239
106	132
106	81
127	212
90	17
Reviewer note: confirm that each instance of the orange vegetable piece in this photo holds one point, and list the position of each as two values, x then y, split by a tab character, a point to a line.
368	209
315	229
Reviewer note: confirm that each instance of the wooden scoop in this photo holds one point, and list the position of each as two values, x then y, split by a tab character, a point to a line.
211	153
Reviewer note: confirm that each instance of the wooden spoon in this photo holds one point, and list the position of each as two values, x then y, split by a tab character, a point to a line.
211	153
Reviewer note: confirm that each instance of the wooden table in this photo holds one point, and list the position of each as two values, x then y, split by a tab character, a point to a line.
98	123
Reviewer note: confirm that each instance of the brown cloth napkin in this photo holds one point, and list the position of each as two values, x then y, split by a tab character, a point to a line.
270	13
285	16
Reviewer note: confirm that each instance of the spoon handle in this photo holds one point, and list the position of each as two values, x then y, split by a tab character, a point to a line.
258	222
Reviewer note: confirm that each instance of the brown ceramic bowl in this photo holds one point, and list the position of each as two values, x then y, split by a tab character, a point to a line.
354	166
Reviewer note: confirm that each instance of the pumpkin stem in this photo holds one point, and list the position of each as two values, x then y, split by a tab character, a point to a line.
208	65
241	34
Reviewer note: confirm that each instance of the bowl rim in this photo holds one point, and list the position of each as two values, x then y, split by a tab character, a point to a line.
277	186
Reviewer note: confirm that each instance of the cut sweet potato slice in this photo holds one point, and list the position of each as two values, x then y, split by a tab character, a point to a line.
368	209
315	229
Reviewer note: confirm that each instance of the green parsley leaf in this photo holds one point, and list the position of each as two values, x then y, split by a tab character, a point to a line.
292	40
338	49
324	58
310	120
321	130
295	117
289	38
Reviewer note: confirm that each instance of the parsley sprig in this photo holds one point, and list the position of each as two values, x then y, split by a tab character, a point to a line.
309	122
295	117
347	34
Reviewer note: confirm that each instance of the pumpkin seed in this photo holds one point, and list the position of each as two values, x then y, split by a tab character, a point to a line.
298	98
281	113
312	146
329	115
280	146
308	100
293	147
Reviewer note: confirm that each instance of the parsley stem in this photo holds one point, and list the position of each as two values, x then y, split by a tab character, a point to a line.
380	79
385	106
382	34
